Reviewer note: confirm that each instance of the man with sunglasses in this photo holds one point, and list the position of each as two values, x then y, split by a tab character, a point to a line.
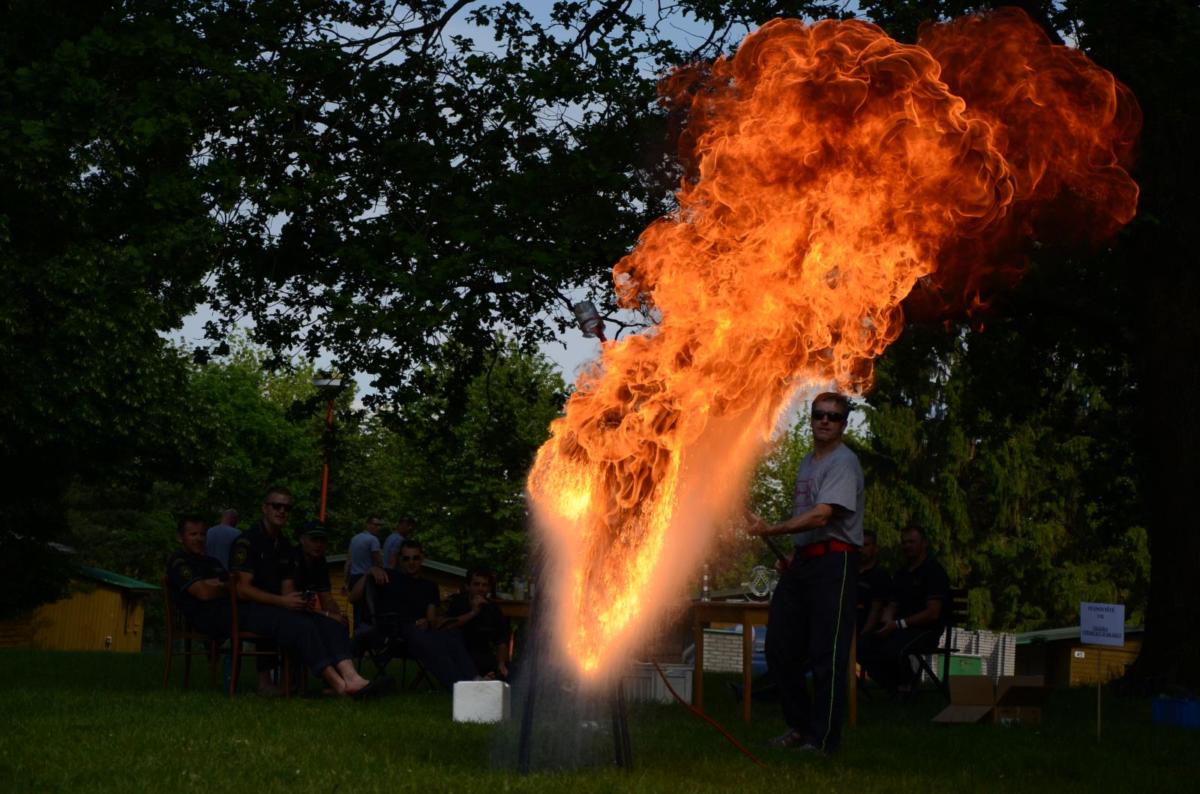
262	558
811	618
264	567
413	601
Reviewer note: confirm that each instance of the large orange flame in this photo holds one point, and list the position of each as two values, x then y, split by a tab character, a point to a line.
830	170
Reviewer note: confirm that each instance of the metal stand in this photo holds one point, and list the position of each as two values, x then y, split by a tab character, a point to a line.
622	752
622	749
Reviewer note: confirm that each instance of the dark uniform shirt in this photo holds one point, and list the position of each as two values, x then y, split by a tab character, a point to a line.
406	596
184	569
873	585
268	559
481	633
912	589
309	574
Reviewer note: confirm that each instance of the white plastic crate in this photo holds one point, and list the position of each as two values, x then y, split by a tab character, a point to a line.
643	683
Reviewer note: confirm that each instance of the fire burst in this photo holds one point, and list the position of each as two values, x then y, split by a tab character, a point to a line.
832	173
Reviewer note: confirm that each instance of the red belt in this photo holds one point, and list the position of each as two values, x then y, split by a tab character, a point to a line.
823	547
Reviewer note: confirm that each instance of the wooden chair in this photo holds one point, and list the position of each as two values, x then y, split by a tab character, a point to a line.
179	631
238	636
945	648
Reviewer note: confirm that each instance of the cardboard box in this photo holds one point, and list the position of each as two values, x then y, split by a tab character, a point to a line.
1014	699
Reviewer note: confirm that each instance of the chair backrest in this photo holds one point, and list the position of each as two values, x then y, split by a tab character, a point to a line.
172	619
367	604
231	586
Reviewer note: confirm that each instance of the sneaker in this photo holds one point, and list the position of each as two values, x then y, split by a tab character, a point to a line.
790	739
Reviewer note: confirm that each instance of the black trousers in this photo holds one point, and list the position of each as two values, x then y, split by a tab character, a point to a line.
442	653
319	641
809	627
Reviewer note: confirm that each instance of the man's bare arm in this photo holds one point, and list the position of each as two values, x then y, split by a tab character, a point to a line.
208	589
813	518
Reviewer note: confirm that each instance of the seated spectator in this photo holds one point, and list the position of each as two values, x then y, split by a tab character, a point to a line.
413	601
310	575
263	563
391	547
198	581
914	617
221	537
874	589
485	630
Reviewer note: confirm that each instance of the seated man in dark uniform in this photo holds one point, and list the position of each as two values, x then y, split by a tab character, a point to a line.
914	617
262	560
485	630
197	581
311	572
874	590
412	601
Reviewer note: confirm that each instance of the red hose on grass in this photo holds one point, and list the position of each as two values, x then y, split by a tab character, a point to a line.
707	718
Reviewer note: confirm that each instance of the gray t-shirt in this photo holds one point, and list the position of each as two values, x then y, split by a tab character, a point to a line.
837	480
219	540
391	546
362	546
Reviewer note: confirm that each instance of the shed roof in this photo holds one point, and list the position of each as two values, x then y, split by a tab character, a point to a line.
114	579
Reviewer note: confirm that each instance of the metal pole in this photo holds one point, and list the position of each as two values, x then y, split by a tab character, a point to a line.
325	455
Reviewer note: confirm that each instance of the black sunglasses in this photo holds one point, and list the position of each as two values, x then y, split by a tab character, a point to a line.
284	506
411	559
832	416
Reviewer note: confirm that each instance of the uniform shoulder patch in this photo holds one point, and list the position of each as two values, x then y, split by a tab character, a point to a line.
179	570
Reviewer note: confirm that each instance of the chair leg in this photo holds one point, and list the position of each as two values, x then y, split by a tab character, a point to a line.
235	652
285	659
167	667
187	661
213	658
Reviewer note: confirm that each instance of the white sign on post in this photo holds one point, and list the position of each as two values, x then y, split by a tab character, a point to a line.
1102	624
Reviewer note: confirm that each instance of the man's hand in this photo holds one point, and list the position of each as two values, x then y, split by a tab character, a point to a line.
502	670
784	564
477	603
752	523
379	575
293	601
886	630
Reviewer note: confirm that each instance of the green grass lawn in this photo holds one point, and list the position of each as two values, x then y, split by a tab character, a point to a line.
102	722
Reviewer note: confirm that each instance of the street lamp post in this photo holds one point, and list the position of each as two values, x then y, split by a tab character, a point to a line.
328	387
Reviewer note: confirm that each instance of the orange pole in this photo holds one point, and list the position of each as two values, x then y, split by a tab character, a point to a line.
325	465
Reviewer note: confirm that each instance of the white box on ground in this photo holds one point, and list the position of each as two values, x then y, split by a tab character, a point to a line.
481	701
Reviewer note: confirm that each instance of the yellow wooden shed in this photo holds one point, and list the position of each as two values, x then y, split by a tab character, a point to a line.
102	611
1060	656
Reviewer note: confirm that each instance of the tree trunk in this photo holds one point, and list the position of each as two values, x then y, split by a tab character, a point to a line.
1170	383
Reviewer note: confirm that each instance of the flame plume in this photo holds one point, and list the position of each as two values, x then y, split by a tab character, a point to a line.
830	171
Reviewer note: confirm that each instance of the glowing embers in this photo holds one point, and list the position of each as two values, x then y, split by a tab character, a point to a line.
829	170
